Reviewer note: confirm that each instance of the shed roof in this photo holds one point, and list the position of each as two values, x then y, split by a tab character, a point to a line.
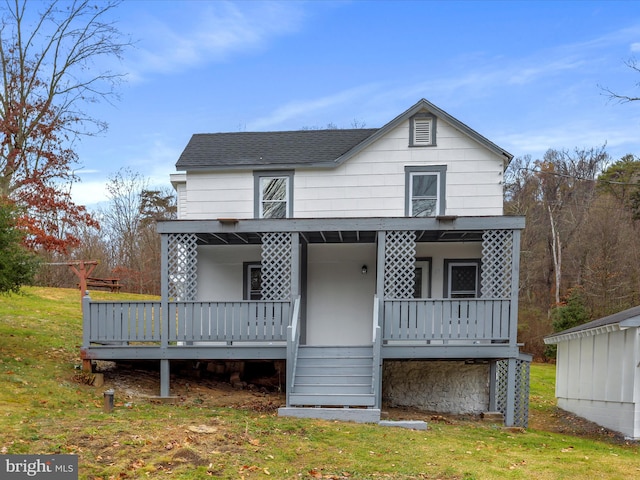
302	148
625	318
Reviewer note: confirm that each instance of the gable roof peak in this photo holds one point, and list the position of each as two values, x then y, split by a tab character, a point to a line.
305	148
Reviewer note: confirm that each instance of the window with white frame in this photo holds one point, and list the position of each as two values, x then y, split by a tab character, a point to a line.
462	278
425	191
273	194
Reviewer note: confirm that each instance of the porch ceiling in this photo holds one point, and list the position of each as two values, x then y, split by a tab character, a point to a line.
337	236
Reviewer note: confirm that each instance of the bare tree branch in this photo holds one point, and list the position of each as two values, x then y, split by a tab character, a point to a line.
632	63
52	70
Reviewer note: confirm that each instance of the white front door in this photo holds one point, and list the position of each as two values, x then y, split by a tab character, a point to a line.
341	284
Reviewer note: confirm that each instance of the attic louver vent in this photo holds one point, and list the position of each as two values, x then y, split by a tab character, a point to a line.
422	131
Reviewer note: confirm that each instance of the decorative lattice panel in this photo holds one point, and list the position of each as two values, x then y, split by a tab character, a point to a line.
521	409
521	406
182	265
399	264
276	266
497	254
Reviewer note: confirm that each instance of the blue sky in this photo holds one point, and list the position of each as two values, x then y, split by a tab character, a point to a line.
526	75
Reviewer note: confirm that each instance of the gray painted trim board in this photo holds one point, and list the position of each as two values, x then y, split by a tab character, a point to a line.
342	224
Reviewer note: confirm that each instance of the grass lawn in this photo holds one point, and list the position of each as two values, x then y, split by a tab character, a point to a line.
45	407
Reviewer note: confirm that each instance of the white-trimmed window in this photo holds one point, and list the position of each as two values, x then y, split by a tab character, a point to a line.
422	131
425	191
462	278
273	197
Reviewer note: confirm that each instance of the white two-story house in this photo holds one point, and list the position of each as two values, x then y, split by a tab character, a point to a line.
377	262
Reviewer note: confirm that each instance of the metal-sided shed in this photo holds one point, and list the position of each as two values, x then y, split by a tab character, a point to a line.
598	371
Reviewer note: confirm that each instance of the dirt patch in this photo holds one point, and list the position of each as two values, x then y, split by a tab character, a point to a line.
558	421
563	422
139	381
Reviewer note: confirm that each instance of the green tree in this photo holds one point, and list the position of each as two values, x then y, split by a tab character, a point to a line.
622	181
571	313
17	265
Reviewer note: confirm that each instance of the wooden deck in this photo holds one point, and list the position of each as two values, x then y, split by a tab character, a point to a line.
337	378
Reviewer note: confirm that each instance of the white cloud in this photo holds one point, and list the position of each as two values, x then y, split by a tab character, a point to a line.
89	193
153	158
308	108
207	32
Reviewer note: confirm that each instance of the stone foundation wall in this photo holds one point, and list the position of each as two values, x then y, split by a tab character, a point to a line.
437	386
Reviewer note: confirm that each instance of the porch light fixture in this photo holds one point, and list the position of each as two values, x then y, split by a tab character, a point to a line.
228	221
364	270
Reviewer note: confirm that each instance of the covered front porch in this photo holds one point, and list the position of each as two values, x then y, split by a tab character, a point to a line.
314	308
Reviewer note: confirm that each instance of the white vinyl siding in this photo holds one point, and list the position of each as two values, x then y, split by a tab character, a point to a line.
179	182
598	379
370	184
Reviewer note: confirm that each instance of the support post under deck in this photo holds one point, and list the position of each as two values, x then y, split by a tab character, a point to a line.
164	378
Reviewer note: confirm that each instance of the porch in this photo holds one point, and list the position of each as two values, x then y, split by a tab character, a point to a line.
318	316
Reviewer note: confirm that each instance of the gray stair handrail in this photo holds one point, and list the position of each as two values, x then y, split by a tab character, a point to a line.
377	352
293	342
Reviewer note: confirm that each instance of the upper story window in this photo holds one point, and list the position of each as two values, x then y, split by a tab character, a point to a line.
422	130
425	191
273	194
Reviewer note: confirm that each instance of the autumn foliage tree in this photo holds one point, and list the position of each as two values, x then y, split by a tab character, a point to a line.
582	235
51	56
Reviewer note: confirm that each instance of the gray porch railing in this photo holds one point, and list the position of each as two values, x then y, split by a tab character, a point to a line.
144	322
446	319
245	321
121	322
267	321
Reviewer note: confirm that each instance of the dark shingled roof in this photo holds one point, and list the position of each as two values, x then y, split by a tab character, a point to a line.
601	322
273	149
303	148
